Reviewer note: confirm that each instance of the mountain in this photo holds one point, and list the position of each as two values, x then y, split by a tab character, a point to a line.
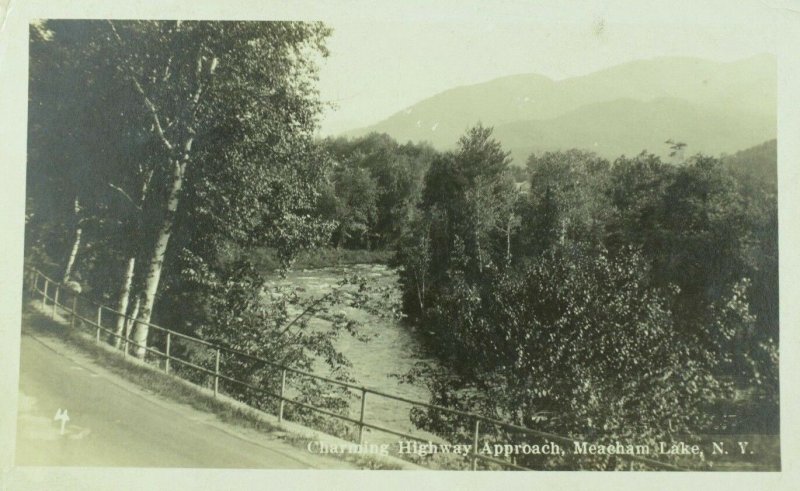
760	162
628	126
720	100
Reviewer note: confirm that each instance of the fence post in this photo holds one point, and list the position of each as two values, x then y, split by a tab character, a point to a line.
216	375
166	361
125	348
35	275
99	323
55	301
283	390
74	308
361	417
44	292
475	445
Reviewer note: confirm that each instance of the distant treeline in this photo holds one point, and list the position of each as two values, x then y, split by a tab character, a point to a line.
376	182
373	185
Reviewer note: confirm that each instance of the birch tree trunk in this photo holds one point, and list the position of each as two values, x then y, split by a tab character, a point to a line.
421	292
76	244
72	255
508	240
131	318
123	324
124	296
156	261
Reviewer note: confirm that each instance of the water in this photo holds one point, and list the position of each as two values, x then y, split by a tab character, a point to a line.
392	349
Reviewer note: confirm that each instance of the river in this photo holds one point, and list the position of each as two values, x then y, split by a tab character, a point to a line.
392	349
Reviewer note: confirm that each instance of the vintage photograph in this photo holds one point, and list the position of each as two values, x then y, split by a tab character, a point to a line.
427	244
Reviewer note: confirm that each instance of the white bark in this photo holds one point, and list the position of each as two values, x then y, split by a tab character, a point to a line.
132	317
72	255
124	325
508	240
76	244
420	292
156	261
187	120
124	297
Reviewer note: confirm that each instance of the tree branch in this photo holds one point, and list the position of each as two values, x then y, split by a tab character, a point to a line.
126	195
308	309
145	184
331	294
195	100
147	102
167	73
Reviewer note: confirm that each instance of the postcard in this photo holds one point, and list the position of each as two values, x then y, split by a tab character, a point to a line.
363	244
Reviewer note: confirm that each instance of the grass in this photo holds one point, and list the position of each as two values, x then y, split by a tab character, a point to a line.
152	380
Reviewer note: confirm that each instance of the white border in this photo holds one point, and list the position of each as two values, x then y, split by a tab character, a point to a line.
13	109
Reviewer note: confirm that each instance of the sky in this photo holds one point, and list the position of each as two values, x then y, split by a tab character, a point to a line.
384	60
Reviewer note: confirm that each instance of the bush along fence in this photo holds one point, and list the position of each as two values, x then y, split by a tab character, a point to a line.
500	445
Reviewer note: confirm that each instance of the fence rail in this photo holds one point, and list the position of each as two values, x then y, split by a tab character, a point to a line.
53	291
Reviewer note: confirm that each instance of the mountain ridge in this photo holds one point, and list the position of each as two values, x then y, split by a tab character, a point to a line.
736	90
628	126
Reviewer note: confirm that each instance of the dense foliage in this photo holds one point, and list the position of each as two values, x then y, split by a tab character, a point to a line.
374	183
166	146
634	296
632	300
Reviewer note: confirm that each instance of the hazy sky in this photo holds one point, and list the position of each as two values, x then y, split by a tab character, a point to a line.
385	59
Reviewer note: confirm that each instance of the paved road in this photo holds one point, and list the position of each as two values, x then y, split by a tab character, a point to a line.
113	423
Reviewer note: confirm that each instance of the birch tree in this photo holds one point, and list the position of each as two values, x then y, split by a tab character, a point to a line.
252	82
71	109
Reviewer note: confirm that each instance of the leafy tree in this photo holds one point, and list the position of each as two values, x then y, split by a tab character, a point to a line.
630	312
414	261
238	309
72	108
397	172
577	337
472	190
357	209
68	176
760	162
567	199
468	202
200	145
245	83
712	234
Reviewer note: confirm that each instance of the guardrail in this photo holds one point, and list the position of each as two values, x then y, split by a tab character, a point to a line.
54	291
